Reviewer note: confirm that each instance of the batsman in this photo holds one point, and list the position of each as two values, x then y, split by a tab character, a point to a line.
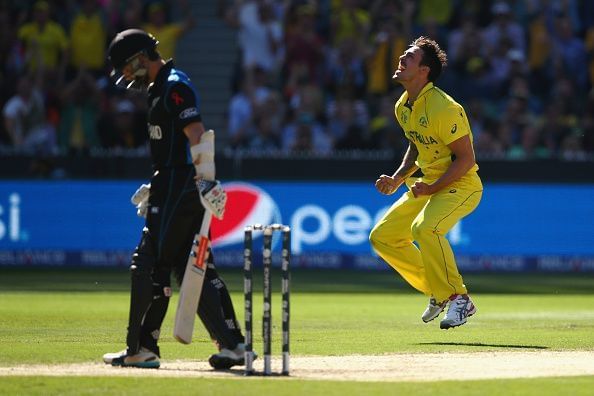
411	236
182	155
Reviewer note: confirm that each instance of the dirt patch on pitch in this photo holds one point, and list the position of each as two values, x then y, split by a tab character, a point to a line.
393	367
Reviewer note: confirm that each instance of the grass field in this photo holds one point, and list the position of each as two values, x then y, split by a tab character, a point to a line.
74	316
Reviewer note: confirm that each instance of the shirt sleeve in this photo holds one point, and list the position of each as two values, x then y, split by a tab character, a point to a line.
453	124
182	102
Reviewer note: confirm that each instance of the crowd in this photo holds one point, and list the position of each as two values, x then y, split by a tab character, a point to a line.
55	90
314	75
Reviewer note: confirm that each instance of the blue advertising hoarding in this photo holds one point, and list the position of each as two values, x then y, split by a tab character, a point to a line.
515	228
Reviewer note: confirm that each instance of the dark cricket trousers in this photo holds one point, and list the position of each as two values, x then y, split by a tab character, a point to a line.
174	217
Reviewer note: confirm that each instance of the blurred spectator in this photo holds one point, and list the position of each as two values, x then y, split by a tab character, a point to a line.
554	126
464	43
305	48
88	38
436	11
305	134
266	135
531	146
260	34
244	105
44	41
346	70
11	58
125	127
24	118
569	54
307	97
124	14
342	114
167	33
385	133
350	22
503	27
80	112
571	148
539	52
353	139
389	41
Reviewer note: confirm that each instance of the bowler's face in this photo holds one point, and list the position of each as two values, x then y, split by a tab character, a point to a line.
408	66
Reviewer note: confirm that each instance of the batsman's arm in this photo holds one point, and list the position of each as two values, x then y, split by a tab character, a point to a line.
201	149
389	184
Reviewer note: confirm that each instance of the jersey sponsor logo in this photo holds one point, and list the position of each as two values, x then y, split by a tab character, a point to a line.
423	122
415	136
176	98
189	112
155	132
454	129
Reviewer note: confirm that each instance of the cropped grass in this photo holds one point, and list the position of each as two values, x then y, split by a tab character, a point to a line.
574	386
67	316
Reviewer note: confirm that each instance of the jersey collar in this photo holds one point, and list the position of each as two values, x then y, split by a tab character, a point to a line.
426	88
162	75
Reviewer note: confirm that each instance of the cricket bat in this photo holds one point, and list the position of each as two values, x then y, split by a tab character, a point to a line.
191	288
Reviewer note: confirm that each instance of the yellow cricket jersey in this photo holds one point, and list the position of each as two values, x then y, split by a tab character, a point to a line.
88	39
434	121
50	40
167	36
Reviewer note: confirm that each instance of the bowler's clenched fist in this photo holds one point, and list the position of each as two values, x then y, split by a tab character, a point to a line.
387	185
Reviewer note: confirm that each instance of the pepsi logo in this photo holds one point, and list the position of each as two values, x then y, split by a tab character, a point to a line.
246	205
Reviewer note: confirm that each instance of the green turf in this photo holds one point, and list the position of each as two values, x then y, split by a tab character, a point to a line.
302	280
61	316
575	386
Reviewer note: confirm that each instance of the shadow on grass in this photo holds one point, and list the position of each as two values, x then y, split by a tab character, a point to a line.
480	344
302	281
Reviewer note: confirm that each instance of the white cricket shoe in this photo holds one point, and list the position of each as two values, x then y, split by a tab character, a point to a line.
108	357
143	359
461	307
227	358
433	309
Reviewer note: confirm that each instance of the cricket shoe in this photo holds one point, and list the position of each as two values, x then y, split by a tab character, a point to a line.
461	307
227	358
143	359
433	309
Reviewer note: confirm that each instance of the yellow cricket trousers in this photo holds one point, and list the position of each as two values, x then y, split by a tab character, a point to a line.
431	267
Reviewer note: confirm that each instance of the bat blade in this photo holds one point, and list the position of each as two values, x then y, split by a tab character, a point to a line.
191	288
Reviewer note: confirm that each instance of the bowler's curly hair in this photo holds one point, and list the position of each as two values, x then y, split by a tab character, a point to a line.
433	56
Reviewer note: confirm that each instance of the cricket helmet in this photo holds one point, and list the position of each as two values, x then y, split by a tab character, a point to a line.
125	48
129	43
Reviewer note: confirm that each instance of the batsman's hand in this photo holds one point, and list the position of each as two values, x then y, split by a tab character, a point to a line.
212	196
387	185
140	199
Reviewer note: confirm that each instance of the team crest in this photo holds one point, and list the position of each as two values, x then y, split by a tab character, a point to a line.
423	122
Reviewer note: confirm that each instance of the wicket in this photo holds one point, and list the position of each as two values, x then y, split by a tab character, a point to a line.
267	291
